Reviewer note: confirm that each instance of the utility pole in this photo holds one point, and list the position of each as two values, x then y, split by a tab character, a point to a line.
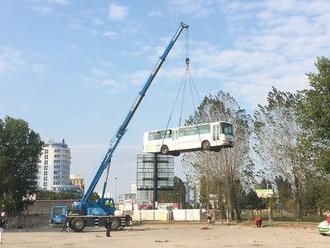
155	184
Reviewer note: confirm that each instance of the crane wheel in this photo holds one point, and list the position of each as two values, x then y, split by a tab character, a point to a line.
77	224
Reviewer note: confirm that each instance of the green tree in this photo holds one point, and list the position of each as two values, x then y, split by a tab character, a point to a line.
179	190
277	142
314	115
20	148
253	201
284	191
226	172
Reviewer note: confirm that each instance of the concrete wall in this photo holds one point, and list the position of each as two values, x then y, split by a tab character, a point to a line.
36	215
42	207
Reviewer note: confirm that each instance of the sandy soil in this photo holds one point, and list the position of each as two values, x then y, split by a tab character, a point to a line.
171	235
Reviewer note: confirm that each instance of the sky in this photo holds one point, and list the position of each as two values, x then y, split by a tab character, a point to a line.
72	69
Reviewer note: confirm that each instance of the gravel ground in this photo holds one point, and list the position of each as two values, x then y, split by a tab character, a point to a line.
171	235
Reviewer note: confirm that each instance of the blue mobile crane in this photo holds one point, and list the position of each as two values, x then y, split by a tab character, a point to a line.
87	212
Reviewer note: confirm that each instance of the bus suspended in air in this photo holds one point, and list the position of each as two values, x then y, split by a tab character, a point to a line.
206	136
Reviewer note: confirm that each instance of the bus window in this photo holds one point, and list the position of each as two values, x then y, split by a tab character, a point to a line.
159	135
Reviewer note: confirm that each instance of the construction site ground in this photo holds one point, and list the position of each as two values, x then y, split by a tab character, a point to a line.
173	235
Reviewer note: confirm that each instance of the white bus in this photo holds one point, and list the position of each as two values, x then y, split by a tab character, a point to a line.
207	136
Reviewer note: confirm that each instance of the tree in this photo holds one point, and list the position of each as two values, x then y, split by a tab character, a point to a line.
277	141
226	172
253	201
178	194
20	148
313	111
179	190
284	191
314	115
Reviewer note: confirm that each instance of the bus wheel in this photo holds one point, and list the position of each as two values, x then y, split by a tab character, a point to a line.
164	150
206	145
77	224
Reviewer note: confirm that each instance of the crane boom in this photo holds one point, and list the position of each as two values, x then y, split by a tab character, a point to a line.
122	129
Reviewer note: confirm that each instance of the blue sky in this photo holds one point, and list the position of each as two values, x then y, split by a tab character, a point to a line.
72	69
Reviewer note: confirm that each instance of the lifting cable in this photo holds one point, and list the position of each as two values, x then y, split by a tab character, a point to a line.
186	79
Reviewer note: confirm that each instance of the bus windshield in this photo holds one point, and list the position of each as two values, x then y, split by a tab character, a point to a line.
227	128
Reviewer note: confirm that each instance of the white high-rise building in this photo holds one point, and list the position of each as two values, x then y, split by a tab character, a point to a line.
54	167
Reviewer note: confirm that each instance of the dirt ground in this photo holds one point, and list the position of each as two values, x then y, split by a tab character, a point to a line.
171	235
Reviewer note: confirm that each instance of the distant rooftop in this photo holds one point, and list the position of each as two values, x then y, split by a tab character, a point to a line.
52	143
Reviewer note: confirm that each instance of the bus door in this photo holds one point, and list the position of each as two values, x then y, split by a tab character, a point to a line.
216	133
175	134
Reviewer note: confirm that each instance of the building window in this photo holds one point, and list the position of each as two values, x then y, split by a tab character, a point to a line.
46	156
45	178
57	161
46	162
57	150
45	184
45	168
57	155
46	151
45	173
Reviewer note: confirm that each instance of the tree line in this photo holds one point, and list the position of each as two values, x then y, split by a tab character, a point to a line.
284	143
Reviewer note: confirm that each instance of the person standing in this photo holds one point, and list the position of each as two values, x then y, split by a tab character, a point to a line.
2	225
108	224
258	221
210	218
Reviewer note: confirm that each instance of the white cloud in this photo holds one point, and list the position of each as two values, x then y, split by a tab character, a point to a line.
38	68
194	8
45	7
275	43
55	2
42	9
138	77
97	22
156	13
272	46
11	59
110	34
60	2
117	12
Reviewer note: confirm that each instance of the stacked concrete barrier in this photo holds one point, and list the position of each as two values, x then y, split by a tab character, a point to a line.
186	215
167	215
151	215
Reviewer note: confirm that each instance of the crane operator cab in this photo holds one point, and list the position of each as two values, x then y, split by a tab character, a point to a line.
58	214
108	205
